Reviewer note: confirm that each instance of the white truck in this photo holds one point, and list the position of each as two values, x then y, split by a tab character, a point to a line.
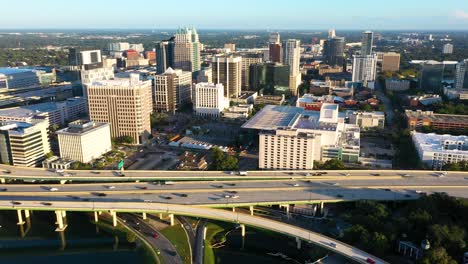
243	173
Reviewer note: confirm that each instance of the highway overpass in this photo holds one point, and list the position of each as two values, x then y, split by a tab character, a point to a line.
60	207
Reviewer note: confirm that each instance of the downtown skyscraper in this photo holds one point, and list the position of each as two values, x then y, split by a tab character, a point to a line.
292	57
187	49
367	43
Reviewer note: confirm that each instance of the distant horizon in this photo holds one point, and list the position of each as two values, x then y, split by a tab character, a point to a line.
409	30
241	14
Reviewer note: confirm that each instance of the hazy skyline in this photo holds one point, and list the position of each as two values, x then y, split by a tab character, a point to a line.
241	14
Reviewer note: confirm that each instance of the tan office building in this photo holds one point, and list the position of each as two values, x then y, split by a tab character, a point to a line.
227	70
124	103
172	89
388	61
187	50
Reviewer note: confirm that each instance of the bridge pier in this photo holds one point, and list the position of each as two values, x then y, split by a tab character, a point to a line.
64	213
171	219
96	217
60	225
144	215
242	226
320	208
160	216
286	206
251	210
63	181
233	209
204	232
2	181
114	218
20	217
27	214
298	243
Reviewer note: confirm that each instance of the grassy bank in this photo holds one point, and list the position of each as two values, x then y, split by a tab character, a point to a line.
176	234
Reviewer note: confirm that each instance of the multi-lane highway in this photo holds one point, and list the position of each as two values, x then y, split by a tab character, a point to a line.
223	215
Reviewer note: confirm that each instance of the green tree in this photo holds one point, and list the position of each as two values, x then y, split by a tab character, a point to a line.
459	166
222	161
452	237
333	164
366	108
438	256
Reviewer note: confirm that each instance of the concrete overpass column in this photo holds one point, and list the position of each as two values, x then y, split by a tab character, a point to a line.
242	230
26	213
298	242
251	210
114	218
204	232
233	209
96	217
160	216
144	215
20	217
171	218
63	181
286	206
320	209
60	224
2	181
64	213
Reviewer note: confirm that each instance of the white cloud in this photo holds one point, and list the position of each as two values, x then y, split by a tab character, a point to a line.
461	14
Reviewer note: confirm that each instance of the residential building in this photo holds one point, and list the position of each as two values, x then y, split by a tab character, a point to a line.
323	69
231	47
187	49
447	49
275	48
55	113
392	84
366	120
84	141
388	61
24	144
367	43
273	78
209	100
292	57
164	55
227	70
364	68
192	161
124	103
460	94
419	119
249	59
431	76
269	99
438	150
96	74
205	75
333	51
16	78
293	138
87	59
172	90
461	76
239	112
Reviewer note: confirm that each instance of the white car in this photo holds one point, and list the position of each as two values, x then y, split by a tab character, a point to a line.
59	171
53	189
235	196
110	187
296	185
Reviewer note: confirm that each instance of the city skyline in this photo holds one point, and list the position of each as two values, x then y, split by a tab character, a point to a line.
299	14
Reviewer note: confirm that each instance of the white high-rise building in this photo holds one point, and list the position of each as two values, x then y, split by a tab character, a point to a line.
461	77
331	33
187	49
124	103
172	89
275	38
292	57
364	68
23	143
84	141
439	150
293	138
447	49
209	100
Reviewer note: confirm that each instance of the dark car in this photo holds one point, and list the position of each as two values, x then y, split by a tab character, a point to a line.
143	187
46	203
155	235
101	194
16	203
3	189
183	195
7	171
339	195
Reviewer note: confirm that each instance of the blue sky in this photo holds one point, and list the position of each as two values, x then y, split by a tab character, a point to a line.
245	14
